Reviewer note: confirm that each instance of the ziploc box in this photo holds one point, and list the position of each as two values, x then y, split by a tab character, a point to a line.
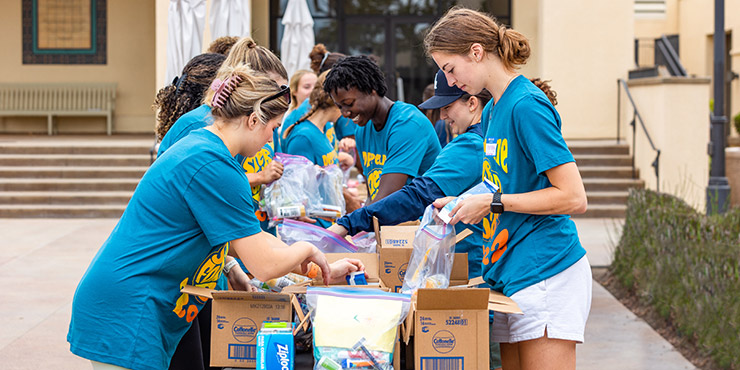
395	244
275	348
451	329
236	319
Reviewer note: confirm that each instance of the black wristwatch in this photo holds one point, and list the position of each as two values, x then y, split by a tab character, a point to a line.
496	205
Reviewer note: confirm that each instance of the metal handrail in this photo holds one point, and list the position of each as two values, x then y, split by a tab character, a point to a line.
636	116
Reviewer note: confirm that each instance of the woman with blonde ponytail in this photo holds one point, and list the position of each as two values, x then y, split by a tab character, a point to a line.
531	250
192	208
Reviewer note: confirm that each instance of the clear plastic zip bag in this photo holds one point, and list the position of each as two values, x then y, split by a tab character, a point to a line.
433	254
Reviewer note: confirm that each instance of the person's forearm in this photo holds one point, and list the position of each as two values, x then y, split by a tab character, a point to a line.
404	205
548	201
255	178
273	260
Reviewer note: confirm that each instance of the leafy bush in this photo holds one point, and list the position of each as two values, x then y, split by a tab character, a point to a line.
736	121
687	266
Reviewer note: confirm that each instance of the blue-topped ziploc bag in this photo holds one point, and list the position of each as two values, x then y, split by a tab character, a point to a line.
433	254
292	231
355	328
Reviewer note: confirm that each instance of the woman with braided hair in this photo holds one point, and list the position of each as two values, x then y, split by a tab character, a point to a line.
531	249
186	91
191	209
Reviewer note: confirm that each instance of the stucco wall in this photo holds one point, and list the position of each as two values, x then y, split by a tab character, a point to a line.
679	128
584	46
131	56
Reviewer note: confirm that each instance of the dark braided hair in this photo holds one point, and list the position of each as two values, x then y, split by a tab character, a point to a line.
319	99
356	71
186	92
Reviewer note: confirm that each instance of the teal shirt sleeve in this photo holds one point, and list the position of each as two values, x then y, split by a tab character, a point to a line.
220	199
344	127
405	150
458	166
537	126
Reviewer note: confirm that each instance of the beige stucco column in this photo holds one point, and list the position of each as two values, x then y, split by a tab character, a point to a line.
677	119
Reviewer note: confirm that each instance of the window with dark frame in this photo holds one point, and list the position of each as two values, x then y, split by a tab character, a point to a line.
64	31
390	30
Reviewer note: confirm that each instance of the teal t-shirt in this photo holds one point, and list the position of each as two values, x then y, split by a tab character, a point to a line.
344	127
456	170
292	117
522	141
407	144
307	140
197	118
128	309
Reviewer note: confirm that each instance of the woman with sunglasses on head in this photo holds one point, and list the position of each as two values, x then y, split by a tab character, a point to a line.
395	141
533	253
191	208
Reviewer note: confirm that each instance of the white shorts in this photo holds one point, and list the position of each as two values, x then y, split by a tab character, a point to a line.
559	304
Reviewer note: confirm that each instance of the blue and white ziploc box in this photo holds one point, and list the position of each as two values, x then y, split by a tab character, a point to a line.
275	350
236	320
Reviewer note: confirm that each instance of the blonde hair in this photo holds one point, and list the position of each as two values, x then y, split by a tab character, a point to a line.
247	96
294	81
258	58
460	28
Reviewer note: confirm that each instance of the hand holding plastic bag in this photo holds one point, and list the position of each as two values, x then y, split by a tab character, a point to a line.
434	252
296	193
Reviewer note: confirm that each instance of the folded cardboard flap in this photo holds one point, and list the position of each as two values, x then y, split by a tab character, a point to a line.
196	290
452	299
501	303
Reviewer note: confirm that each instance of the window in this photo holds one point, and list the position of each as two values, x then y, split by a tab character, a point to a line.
650	9
64	31
392	31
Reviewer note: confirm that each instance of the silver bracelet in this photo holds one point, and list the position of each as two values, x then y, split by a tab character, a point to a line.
229	265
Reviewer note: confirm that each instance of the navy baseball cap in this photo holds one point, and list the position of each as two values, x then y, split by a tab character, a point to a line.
443	93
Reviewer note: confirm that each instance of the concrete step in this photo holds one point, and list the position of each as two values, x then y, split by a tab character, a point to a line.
606	197
608	147
73	172
603	160
66	198
596	184
76	144
604	211
609	172
141	160
96	184
60	211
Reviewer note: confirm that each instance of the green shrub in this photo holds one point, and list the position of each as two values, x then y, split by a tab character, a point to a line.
736	120
687	266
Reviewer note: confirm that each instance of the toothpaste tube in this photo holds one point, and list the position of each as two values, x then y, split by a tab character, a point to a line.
327	363
275	349
356	278
485	187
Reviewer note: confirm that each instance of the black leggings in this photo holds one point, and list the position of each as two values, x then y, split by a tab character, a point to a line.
194	350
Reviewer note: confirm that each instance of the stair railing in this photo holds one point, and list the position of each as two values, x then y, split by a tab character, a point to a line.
673	62
636	117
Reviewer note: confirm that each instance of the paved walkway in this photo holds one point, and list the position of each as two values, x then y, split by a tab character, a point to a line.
41	262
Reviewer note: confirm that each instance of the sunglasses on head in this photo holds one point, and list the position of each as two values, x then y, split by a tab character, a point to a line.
284	92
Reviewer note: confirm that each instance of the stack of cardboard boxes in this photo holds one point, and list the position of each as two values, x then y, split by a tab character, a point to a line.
445	329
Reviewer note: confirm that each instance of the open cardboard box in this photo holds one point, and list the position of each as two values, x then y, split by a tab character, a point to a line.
395	244
236	319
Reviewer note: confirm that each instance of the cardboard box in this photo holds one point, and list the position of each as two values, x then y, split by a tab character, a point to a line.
451	329
237	318
395	244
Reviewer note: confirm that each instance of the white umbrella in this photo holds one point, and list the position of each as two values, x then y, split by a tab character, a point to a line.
185	21
230	18
298	37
